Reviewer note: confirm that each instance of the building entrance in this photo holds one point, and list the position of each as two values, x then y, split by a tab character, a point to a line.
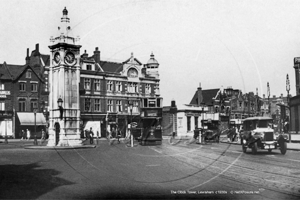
57	131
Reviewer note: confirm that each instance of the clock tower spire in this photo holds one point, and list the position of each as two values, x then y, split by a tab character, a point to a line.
64	78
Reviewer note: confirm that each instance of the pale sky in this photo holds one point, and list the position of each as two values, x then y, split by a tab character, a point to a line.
242	43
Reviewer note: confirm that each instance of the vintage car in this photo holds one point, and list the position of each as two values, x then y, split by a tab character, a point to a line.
212	132
259	134
211	135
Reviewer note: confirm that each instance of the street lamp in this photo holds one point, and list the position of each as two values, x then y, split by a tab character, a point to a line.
35	141
288	102
268	87
59	103
202	122
130	104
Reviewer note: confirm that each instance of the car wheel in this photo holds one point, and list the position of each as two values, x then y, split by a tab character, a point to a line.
283	147
254	148
269	150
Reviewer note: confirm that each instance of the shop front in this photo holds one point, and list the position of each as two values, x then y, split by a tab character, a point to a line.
6	128
34	122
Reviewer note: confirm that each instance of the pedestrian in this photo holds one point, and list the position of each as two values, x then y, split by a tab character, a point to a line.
28	134
91	136
23	136
119	134
43	138
113	132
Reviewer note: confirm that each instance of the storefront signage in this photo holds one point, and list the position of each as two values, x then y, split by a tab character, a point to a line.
6	113
193	114
4	93
151	113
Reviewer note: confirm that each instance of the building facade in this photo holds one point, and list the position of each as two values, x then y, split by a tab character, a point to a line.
109	86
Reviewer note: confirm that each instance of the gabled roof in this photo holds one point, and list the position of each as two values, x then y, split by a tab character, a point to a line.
129	59
46	59
25	69
112	67
207	95
14	70
4	73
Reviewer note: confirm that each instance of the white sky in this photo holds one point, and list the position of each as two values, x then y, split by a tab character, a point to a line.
242	43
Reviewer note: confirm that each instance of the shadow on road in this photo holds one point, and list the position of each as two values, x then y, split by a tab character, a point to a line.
28	181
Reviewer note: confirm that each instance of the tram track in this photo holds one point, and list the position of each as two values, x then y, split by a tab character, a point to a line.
248	174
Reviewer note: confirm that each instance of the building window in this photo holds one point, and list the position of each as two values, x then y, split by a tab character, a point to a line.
132	87
87	83
119	105
2	105
89	67
118	86
87	104
240	104
33	105
33	87
1	86
97	105
196	122
188	123
97	84
110	86
28	73
148	89
109	106
22	86
22	105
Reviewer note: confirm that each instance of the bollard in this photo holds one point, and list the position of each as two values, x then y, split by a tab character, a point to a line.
35	141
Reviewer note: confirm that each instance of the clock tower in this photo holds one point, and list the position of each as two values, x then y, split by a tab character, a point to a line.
64	78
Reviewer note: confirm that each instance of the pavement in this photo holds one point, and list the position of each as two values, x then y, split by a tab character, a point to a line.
29	144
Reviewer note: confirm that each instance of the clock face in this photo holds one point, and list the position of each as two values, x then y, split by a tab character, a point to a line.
57	57
70	58
132	73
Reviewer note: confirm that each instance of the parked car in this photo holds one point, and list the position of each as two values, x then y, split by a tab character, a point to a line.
258	133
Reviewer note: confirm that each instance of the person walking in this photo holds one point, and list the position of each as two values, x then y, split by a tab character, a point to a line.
43	138
28	134
23	136
91	136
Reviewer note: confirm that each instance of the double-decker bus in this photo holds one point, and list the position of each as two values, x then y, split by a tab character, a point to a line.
150	121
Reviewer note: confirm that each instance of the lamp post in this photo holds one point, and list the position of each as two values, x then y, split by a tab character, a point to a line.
59	103
35	141
130	104
202	125
268	90
288	102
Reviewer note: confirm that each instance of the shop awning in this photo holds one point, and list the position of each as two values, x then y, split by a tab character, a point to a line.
27	119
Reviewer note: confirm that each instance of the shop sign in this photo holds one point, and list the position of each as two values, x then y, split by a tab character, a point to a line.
3	93
5	114
151	113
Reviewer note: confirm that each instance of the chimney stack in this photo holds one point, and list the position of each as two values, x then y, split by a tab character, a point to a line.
85	55
37	47
27	59
199	95
97	55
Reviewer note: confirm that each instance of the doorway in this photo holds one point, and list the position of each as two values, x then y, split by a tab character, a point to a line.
57	131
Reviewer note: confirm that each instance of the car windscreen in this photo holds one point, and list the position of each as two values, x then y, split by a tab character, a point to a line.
264	123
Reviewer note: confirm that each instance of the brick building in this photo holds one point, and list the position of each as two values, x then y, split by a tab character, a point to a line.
109	86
